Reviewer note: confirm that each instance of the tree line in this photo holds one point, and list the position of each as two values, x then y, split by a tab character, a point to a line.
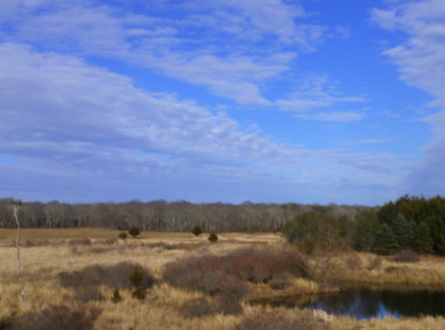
414	223
179	216
410	223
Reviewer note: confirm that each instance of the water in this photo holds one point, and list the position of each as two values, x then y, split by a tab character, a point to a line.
366	302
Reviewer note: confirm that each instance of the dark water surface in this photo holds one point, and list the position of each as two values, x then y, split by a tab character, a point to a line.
367	302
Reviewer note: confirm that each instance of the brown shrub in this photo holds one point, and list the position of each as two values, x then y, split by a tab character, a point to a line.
281	281
198	307
110	241
87	294
227	305
407	256
228	274
56	318
80	241
33	243
86	281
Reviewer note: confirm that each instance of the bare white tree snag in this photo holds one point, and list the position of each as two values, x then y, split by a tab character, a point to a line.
15	207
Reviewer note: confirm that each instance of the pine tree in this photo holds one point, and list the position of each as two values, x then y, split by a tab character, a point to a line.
366	227
402	232
385	242
423	242
437	231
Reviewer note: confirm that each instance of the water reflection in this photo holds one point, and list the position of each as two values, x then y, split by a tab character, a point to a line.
365	303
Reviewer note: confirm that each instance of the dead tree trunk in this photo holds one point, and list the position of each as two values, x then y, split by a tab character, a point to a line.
15	207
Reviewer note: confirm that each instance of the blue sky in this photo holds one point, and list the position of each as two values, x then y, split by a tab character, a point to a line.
311	101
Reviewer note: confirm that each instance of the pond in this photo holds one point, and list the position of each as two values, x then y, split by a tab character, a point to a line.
368	302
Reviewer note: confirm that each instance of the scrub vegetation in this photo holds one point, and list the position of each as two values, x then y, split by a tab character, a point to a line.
88	278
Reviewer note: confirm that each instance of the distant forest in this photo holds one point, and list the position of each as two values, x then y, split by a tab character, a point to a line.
180	216
413	223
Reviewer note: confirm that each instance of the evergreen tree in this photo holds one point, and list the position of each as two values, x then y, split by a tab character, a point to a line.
423	242
412	232
366	227
385	242
343	224
387	213
402	232
303	226
437	231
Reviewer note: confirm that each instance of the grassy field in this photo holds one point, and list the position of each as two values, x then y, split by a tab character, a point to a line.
45	253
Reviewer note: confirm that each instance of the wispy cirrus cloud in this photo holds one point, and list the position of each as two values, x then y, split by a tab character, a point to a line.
226	66
319	92
420	60
84	122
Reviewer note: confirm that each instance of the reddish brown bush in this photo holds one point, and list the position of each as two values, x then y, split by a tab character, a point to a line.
56	318
407	256
229	274
87	280
198	307
227	305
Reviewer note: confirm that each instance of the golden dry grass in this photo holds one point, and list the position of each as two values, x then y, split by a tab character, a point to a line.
160	310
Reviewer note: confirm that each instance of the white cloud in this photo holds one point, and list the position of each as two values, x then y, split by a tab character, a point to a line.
368	141
315	92
66	97
223	63
344	32
421	62
335	116
89	129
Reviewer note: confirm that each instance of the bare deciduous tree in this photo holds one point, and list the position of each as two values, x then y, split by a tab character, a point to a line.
15	208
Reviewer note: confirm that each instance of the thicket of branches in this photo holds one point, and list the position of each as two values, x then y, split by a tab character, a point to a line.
160	215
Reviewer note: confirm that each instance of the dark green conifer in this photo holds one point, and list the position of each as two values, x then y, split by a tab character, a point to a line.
402	232
385	242
437	231
423	242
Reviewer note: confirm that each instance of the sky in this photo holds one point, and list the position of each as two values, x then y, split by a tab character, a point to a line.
271	101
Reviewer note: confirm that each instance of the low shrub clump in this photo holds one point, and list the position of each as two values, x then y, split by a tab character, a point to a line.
140	282
123	235
213	237
86	282
134	231
229	274
197	230
407	256
200	307
55	318
281	281
116	298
